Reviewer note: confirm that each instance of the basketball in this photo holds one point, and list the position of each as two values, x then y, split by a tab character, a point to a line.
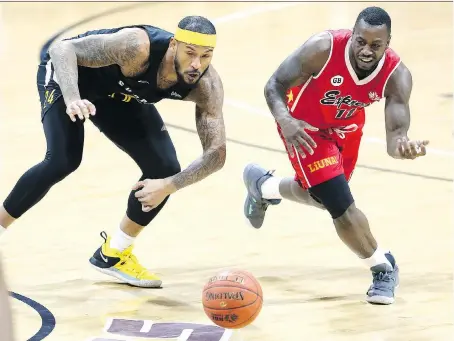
232	299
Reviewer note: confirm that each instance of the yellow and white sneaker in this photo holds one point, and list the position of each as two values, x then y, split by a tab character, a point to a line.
123	265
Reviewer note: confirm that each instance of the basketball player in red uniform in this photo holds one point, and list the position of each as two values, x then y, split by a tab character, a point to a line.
318	97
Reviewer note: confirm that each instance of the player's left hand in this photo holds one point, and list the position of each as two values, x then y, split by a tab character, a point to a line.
408	149
152	192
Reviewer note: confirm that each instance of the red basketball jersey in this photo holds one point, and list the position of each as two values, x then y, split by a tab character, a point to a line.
335	98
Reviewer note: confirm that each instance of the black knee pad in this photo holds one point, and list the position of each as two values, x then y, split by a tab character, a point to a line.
334	194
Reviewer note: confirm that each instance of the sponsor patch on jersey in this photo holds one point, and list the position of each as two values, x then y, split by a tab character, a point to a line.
337	80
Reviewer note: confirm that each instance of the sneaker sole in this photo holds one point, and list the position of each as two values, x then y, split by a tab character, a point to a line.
383	300
137	283
245	210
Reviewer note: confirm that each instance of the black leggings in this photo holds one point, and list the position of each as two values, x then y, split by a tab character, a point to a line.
136	129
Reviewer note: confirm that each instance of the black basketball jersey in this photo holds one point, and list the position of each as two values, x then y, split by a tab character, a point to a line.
97	83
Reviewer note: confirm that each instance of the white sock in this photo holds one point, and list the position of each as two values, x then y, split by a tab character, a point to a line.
377	258
270	188
121	240
2	229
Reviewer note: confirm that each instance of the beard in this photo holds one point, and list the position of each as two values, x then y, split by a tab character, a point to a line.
180	76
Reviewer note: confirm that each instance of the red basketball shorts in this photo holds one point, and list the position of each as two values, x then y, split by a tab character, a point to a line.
333	156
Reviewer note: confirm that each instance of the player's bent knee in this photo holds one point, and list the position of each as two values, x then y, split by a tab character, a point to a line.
59	167
335	195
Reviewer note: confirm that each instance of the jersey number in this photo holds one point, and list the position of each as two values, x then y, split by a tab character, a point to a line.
342	114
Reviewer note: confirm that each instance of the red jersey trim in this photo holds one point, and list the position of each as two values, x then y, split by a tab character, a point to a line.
389	76
329	57
295	103
353	73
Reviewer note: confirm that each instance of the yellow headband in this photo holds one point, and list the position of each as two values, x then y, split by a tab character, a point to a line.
190	37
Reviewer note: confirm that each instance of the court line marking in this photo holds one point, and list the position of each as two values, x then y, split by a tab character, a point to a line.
186	333
48	321
262	112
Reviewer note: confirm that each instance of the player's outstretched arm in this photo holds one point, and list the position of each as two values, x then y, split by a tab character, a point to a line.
128	48
209	98
296	69
397	116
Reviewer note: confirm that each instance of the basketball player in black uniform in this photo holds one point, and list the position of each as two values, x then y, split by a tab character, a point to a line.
112	77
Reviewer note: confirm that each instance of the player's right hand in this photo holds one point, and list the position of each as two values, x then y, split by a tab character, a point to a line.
408	149
81	108
293	131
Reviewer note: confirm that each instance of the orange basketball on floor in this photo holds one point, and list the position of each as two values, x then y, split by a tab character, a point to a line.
232	299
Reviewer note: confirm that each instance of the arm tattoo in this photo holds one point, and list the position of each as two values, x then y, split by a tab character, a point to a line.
102	50
64	61
208	127
211	130
122	48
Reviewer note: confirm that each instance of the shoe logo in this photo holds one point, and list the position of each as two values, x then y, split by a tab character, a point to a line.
103	257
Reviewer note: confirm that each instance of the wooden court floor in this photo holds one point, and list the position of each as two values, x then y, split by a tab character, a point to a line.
313	286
